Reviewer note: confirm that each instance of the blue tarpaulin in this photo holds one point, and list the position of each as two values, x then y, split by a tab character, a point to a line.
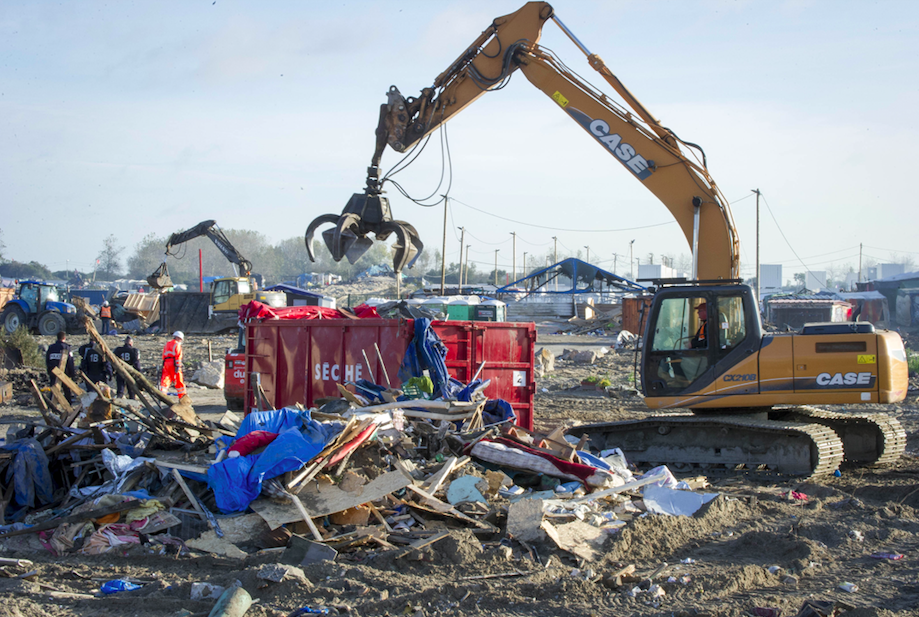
236	482
29	472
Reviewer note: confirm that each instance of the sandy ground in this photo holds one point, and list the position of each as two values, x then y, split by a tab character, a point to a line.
751	547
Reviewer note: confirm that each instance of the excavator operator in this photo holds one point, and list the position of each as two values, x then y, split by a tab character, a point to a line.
699	340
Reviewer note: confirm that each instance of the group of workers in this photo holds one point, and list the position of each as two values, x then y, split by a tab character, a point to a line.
97	369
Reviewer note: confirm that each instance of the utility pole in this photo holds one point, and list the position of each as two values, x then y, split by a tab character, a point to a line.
462	240
514	256
614	262
496	268
443	252
758	286
859	262
556	259
588	253
466	269
524	264
631	261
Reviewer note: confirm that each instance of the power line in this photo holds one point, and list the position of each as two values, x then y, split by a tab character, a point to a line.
516	222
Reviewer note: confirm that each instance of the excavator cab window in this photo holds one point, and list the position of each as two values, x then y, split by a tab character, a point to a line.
223	290
243	287
681	344
731	326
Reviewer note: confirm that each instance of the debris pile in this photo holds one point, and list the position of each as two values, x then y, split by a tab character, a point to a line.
378	471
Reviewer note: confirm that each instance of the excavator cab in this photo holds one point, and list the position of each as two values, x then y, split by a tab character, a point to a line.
696	333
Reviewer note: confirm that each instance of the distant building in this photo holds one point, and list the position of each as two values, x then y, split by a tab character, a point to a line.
770	277
815	280
657	271
888	270
851	280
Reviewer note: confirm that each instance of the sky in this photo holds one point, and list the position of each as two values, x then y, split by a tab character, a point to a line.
137	118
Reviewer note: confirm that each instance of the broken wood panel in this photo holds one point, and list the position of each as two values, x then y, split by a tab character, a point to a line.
328	500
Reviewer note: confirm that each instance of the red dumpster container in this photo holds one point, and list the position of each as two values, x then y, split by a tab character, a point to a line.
300	361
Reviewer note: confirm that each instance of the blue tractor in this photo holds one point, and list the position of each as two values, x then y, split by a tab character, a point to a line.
38	306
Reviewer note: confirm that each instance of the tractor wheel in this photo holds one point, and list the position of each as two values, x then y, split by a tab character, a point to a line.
50	324
13	318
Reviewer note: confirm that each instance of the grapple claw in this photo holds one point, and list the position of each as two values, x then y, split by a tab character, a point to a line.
160	278
366	213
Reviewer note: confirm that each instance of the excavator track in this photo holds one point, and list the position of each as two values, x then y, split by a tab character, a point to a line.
722	446
868	439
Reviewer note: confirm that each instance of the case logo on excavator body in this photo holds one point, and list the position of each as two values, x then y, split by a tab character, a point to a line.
843	380
600	129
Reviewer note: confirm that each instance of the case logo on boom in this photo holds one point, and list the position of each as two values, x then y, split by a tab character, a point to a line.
600	129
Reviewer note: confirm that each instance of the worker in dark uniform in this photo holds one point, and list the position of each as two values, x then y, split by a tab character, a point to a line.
81	352
699	341
128	354
56	351
96	366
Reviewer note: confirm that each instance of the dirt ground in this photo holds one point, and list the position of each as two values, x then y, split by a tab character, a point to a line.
751	547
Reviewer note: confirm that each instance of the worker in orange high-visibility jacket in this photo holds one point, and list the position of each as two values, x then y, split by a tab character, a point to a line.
172	366
105	313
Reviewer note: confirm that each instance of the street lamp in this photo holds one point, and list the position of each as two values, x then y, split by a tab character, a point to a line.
496	268
588	253
631	261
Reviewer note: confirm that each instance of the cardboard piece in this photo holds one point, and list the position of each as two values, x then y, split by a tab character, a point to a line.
304	552
524	518
578	538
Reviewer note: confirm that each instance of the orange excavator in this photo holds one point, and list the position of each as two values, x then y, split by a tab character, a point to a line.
736	398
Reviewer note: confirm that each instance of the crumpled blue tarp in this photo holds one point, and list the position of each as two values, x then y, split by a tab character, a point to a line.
428	352
497	410
29	472
236	482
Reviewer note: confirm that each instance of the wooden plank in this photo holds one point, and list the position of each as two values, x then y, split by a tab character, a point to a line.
328	500
67	381
445	508
43	405
418	544
60	400
181	466
194	501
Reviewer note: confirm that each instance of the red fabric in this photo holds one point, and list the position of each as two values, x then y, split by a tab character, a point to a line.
258	311
250	442
578	470
364	312
352	445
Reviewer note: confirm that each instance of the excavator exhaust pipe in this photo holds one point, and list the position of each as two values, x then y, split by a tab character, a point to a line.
365	213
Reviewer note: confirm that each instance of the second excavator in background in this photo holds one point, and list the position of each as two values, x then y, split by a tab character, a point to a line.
227	293
738	398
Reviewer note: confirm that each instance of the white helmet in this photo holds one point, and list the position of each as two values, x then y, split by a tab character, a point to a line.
178	334
105	304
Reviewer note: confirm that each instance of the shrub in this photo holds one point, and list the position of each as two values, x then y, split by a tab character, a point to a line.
27	346
912	361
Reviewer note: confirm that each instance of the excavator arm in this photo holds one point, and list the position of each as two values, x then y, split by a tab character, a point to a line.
160	278
674	170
